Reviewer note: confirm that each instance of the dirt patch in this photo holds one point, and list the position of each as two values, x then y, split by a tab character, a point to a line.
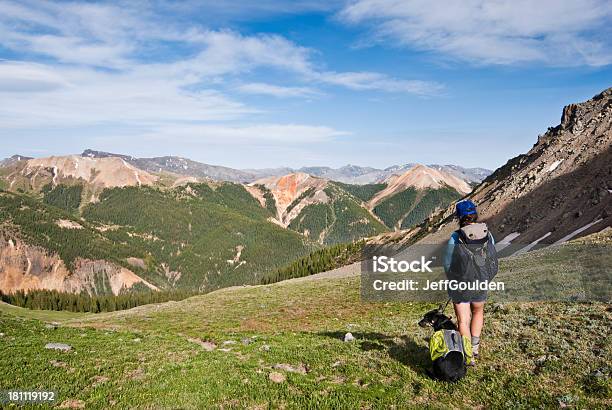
136	262
68	224
72	404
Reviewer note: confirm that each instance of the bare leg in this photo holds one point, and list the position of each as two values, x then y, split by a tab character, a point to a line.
463	313
477	318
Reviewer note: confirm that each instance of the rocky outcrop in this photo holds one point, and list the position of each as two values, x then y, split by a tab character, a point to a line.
26	267
97	173
560	189
103	172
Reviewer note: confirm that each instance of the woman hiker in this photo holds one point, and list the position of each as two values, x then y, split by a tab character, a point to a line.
470	256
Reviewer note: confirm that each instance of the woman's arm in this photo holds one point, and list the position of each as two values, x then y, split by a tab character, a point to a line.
450	248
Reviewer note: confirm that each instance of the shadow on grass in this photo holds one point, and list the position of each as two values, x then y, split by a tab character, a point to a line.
403	349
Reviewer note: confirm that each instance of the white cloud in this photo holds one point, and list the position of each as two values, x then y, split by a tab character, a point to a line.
43	96
91	66
28	77
377	81
257	133
555	32
277	91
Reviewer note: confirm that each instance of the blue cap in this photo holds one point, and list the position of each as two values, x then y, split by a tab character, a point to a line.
465	208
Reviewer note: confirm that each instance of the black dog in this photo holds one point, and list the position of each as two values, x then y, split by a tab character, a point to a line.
450	367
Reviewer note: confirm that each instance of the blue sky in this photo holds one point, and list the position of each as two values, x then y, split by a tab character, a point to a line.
297	83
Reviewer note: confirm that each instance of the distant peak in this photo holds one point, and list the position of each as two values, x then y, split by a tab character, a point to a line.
90	153
18	157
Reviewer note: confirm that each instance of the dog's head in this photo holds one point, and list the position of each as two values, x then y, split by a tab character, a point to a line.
437	320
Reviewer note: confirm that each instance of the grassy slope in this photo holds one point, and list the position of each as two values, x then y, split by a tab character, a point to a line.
144	357
197	229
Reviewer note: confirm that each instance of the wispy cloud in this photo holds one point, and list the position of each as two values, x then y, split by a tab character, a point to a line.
552	32
117	65
278	91
248	134
380	82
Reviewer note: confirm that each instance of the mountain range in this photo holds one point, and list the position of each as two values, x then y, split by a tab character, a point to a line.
352	174
103	223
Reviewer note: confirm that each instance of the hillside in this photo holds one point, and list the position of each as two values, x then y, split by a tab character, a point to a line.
33	174
196	237
281	346
320	210
43	247
179	166
408	199
333	212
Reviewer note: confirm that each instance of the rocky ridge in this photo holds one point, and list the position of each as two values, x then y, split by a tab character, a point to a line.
560	189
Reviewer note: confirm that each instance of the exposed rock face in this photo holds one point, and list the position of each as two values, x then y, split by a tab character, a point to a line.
563	184
13	160
288	188
419	177
179	166
102	172
25	267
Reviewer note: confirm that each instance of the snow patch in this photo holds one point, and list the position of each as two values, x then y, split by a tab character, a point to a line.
554	165
577	231
506	241
531	245
510	237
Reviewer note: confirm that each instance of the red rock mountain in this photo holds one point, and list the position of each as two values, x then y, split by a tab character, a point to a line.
420	177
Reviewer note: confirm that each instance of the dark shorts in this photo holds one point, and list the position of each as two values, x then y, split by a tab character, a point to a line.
467	296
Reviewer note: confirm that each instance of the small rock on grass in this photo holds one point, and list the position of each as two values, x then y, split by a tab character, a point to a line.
72	404
277	377
265	348
208	346
97	380
58	346
57	363
349	337
301	369
499	308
